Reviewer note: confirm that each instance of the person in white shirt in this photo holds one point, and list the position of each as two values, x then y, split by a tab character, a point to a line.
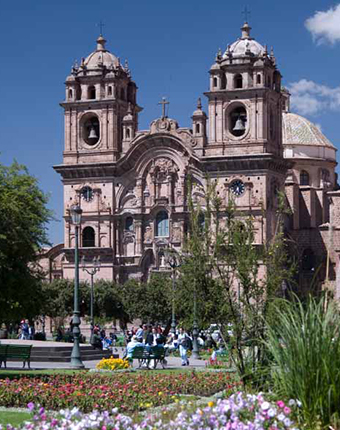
184	345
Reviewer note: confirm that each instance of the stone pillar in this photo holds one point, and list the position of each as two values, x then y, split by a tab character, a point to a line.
138	229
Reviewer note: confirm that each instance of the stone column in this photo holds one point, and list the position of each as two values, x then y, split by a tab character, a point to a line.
138	229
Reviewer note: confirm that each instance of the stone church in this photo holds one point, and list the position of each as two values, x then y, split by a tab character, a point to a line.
132	184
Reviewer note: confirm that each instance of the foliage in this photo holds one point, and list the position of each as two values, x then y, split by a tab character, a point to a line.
23	221
237	279
112	364
129	392
304	341
248	412
150	302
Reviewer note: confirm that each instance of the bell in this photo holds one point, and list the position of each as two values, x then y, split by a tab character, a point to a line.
93	134
239	126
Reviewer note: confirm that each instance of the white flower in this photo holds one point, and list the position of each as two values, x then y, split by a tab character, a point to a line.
287	422
298	403
291	402
272	412
281	417
265	406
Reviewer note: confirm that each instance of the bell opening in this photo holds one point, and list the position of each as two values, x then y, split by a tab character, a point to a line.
91	131
238	121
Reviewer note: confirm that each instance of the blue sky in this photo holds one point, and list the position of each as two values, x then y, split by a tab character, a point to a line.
170	47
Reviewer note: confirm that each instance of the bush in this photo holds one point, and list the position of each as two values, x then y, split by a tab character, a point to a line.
305	344
39	336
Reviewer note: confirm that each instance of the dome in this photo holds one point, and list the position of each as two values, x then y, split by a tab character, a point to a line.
297	130
245	45
303	139
101	57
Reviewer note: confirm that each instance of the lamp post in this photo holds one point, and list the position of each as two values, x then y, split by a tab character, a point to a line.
76	362
195	350
91	272
174	262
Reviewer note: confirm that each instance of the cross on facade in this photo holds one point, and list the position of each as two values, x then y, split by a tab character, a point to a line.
101	25
246	13
163	103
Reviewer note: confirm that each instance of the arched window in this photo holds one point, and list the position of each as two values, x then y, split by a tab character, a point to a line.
238	81
258	79
109	91
92	93
127	133
129	223
223	82
215	82
198	129
162	224
88	237
70	94
304	177
308	260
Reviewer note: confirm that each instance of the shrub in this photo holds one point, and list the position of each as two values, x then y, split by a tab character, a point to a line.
112	364
305	344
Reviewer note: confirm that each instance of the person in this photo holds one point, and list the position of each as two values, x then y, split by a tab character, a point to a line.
114	339
24	330
131	346
184	341
140	332
96	341
149	337
107	343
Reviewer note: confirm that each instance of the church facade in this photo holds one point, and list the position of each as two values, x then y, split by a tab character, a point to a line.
132	184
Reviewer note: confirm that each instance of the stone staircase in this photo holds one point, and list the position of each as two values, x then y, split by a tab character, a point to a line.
62	354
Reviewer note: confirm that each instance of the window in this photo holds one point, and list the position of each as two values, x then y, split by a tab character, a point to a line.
238	81
91	129
215	82
223	82
70	94
201	221
109	91
308	260
258	78
162	224
304	178
127	133
198	130
129	223
88	237
92	93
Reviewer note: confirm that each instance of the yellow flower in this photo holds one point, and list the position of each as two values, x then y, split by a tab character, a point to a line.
160	393
210	404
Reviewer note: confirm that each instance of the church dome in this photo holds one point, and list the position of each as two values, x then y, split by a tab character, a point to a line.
101	57
304	138
245	45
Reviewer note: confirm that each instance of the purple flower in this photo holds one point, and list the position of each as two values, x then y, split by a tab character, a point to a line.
30	406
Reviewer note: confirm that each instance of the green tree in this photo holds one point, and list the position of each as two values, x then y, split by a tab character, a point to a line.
23	221
150	302
237	280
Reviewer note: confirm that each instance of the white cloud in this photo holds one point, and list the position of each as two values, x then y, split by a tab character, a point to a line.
325	26
310	98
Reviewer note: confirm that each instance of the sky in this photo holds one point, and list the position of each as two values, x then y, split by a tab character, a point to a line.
170	46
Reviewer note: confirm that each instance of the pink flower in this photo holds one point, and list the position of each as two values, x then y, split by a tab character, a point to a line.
280	404
287	410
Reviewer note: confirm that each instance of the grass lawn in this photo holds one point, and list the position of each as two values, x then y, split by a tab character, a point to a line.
13	418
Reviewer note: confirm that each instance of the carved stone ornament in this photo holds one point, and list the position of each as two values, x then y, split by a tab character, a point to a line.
163	124
162	169
186	136
148	234
128	237
176	233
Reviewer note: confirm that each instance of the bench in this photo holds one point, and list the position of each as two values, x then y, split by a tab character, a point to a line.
15	352
145	355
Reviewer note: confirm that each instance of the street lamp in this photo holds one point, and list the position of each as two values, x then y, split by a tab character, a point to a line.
76	362
195	349
91	272
174	262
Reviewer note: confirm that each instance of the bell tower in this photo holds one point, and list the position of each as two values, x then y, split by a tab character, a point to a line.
98	93
244	100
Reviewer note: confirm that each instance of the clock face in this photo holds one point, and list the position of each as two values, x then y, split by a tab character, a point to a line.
87	193
237	187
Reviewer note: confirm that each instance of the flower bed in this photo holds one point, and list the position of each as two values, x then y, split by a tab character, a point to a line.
113	364
241	411
128	392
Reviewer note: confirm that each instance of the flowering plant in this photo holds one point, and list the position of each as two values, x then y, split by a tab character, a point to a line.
240	411
215	364
112	364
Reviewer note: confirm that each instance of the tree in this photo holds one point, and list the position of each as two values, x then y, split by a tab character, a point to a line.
237	279
23	232
150	302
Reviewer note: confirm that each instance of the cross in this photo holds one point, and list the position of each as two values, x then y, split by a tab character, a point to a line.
163	103
101	25
246	13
